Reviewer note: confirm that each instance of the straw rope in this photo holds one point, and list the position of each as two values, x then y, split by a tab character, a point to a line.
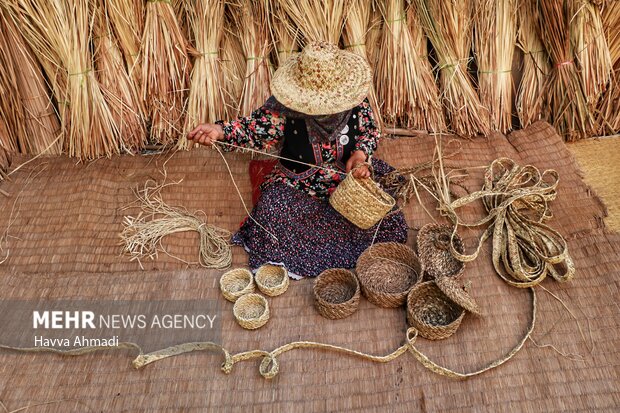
270	367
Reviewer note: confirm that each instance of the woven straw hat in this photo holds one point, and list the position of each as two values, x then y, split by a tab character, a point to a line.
322	80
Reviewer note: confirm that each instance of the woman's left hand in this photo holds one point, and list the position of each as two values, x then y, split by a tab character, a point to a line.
358	157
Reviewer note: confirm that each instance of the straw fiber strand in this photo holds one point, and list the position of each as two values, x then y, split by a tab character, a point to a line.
63	240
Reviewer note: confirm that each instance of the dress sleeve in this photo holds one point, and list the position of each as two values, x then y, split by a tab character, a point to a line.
261	130
369	132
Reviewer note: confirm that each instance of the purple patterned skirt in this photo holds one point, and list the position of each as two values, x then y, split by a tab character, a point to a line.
311	235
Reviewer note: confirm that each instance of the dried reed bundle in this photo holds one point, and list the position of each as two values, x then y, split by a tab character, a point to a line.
354	36
609	109
536	64
233	68
373	37
118	89
285	37
564	103
165	69
591	51
495	34
38	115
142	235
5	159
318	20
206	93
182	10
448	25
252	24
58	33
127	18
12	126
406	90
611	21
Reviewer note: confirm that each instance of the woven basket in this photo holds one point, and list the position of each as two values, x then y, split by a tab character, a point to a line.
235	283
387	272
434	250
361	201
272	280
336	293
251	311
432	313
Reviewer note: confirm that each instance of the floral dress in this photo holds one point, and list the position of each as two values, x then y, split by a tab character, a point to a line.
292	224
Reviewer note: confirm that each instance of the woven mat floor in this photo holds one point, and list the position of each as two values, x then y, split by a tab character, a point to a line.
63	222
599	160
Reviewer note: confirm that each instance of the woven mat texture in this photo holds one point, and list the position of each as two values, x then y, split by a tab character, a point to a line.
63	221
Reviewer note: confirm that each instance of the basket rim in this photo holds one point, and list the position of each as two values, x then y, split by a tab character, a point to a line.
375	191
247	297
413	314
352	277
398	293
259	280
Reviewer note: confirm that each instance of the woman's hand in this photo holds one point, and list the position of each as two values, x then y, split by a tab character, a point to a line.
206	134
358	157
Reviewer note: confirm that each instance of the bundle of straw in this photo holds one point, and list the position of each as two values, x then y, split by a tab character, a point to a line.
252	24
494	39
373	37
165	69
448	25
5	159
536	64
58	33
233	68
318	20
285	37
41	126
565	103
127	19
609	110
206	94
12	126
354	36
142	235
119	90
591	51
406	90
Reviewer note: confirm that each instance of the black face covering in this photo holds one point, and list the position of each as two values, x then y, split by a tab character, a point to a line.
321	128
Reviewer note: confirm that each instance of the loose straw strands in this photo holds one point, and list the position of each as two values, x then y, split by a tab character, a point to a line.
37	112
127	19
536	64
142	235
59	33
165	68
285	37
494	40
374	34
119	90
354	36
565	103
252	24
233	68
318	20
12	126
406	90
206	93
448	26
609	110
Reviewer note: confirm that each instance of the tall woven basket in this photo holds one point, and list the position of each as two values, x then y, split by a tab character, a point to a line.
336	293
361	201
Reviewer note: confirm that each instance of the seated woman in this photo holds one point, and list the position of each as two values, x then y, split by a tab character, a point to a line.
318	115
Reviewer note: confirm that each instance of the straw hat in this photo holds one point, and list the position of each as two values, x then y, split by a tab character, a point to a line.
322	80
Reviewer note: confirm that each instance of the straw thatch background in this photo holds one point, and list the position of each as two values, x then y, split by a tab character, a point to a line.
62	243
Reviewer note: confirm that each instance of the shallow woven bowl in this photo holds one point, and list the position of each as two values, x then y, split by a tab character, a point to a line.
251	311
361	201
336	293
432	313
235	283
272	280
386	283
434	250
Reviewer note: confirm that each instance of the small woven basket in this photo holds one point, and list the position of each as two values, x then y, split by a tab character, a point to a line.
387	278
251	311
336	293
272	280
434	250
235	283
432	313
361	201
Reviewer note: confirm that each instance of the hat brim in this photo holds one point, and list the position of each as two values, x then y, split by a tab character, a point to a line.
350	91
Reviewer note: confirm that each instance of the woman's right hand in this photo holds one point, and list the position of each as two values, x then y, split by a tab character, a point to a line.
206	134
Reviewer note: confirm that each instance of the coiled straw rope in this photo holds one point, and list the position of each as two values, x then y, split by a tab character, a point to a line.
270	367
142	235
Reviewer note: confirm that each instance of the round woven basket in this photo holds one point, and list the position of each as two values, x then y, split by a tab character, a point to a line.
388	252
434	250
432	313
251	311
272	280
361	201
387	281
336	293
235	283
